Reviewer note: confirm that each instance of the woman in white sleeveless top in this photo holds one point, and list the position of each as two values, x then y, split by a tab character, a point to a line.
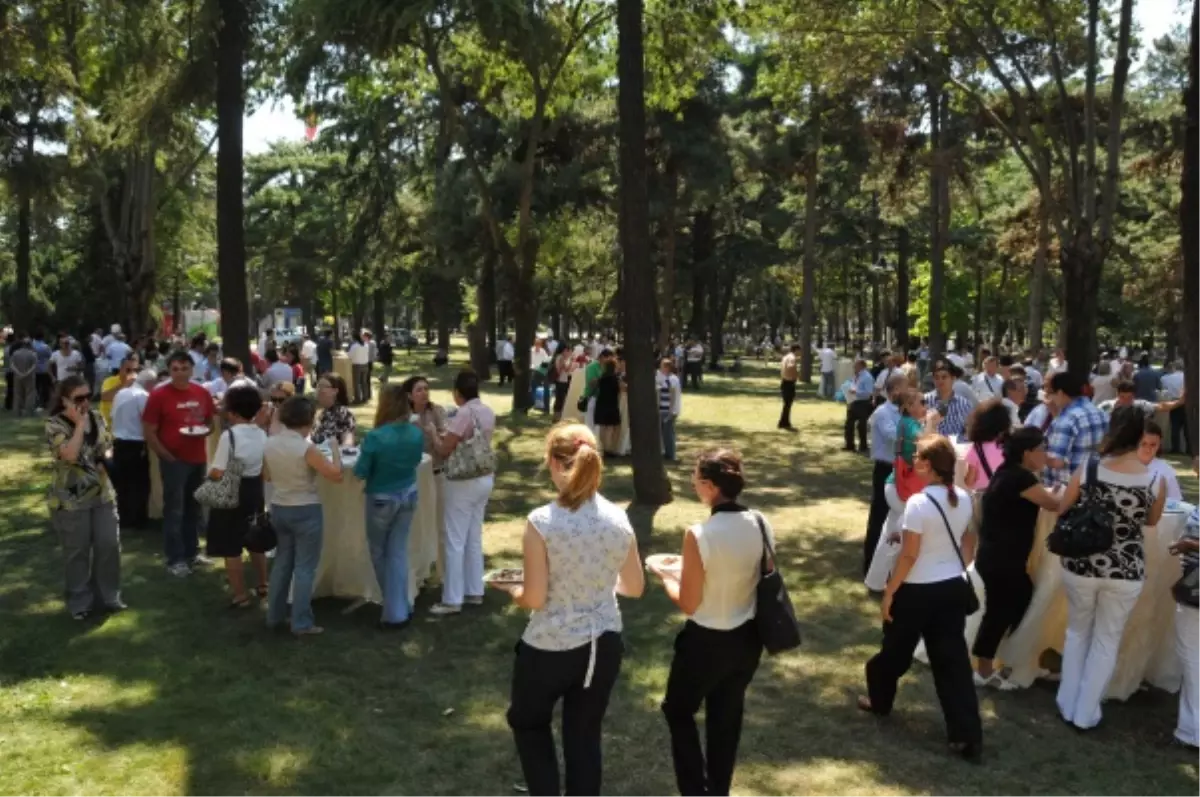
718	650
580	553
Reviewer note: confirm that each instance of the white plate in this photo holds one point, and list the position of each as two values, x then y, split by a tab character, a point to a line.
493	577
665	563
194	431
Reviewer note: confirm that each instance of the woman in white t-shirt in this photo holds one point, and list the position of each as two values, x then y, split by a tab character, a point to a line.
227	528
718	650
925	599
1160	469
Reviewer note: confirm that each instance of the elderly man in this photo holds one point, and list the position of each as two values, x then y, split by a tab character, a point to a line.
131	462
859	406
885	422
988	384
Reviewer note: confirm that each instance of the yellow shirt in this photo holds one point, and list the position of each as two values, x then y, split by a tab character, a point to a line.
106	406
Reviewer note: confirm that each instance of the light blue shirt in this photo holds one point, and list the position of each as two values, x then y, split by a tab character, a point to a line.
885	422
864	385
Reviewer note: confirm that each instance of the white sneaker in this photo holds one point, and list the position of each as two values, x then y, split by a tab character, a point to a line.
179	570
444	609
199	562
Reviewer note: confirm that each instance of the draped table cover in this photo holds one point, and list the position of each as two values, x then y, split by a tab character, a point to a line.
1147	652
574	391
343	368
345	570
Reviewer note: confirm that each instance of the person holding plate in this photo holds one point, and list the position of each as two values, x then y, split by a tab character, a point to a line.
719	648
580	553
176	423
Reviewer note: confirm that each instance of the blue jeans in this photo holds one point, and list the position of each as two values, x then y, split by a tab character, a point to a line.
827	384
181	512
299	529
667	421
389	517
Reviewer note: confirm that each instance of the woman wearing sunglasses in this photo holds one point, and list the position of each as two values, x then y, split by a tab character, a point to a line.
82	507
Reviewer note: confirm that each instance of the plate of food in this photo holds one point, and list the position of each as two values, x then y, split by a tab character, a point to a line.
507	576
665	563
349	451
194	431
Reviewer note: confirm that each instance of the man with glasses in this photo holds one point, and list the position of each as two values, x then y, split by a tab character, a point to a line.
175	424
1076	431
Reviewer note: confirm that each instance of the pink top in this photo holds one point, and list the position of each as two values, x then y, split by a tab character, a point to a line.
463	422
995	458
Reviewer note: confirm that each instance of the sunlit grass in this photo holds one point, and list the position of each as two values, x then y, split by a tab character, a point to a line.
178	695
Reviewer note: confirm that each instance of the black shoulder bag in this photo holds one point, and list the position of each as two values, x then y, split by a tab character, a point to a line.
774	615
1085	528
970	600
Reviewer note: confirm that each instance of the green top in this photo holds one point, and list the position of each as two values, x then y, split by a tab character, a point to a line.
389	457
591	378
910	430
84	483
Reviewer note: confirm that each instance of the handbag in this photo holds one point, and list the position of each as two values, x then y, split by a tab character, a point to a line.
908	483
773	615
260	536
1085	528
1185	589
581	405
471	458
223	493
969	598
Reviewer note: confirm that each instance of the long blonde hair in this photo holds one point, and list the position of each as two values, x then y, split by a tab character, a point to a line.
393	406
573	446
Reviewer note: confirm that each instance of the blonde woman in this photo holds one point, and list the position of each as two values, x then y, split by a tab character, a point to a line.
580	553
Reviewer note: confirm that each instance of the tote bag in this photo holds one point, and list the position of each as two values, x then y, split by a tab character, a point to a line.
223	493
774	615
471	458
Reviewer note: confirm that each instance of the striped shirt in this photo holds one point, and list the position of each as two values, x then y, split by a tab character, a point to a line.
1074	435
954	420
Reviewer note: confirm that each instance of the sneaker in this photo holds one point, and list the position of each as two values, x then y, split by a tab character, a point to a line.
444	609
473	600
199	562
179	570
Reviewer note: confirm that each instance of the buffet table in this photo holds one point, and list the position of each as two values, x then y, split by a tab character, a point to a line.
345	570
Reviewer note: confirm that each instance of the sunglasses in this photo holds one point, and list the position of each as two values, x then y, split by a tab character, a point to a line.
81	399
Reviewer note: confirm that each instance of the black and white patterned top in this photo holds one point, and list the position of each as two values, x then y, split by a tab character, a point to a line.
1127	497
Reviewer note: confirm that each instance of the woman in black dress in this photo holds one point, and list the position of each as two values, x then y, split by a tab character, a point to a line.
608	409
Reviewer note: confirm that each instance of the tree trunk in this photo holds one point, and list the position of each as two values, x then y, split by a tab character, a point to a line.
667	303
1037	284
902	280
937	256
231	245
1188	211
809	264
702	250
1081	263
977	321
378	312
650	485
524	312
22	307
485	318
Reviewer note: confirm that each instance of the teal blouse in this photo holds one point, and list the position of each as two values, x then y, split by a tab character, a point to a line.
389	457
910	430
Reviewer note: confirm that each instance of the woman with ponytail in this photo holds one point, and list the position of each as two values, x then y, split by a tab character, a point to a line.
925	599
580	553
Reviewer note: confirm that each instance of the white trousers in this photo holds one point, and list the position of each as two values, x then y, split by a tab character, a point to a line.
590	417
1187	645
465	504
1097	609
886	552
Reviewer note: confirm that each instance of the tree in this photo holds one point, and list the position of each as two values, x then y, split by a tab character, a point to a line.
1189	210
650	483
231	241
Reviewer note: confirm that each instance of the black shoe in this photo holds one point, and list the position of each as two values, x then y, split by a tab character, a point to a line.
116	606
384	626
849	449
80	615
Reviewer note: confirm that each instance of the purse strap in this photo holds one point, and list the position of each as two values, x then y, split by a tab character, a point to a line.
949	531
767	562
983	460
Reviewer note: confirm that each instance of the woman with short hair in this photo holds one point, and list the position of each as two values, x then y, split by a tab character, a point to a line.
719	648
292	465
227	528
387	463
579	554
1102	589
987	427
337	423
926	599
82	500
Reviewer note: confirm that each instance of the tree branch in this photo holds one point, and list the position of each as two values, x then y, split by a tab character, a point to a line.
1116	108
1056	66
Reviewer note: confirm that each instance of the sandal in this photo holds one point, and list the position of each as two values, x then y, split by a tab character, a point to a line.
240	603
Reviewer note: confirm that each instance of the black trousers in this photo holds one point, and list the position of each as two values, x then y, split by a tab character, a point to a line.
505	369
43	385
10	380
1180	444
714	668
540	679
787	389
935	612
560	397
879	511
1009	591
857	413
131	479
695	372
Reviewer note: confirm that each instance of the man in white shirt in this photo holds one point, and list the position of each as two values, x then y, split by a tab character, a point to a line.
308	354
670	403
504	359
131	463
65	361
828	358
1058	363
539	366
891	367
695	364
988	384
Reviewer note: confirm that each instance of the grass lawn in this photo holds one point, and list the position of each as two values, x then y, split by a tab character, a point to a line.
179	695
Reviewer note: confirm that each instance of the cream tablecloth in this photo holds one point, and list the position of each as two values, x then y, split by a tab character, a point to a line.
345	570
574	391
843	370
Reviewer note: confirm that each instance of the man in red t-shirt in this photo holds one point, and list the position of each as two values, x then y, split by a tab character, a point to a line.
175	422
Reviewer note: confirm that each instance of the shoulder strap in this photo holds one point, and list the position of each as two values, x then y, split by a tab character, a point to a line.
1093	466
983	463
767	563
949	531
232	444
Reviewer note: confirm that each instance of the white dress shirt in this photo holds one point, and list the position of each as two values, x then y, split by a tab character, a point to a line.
1172	384
987	386
359	355
828	360
127	409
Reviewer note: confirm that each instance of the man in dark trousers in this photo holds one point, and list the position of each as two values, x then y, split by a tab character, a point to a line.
787	386
885	422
